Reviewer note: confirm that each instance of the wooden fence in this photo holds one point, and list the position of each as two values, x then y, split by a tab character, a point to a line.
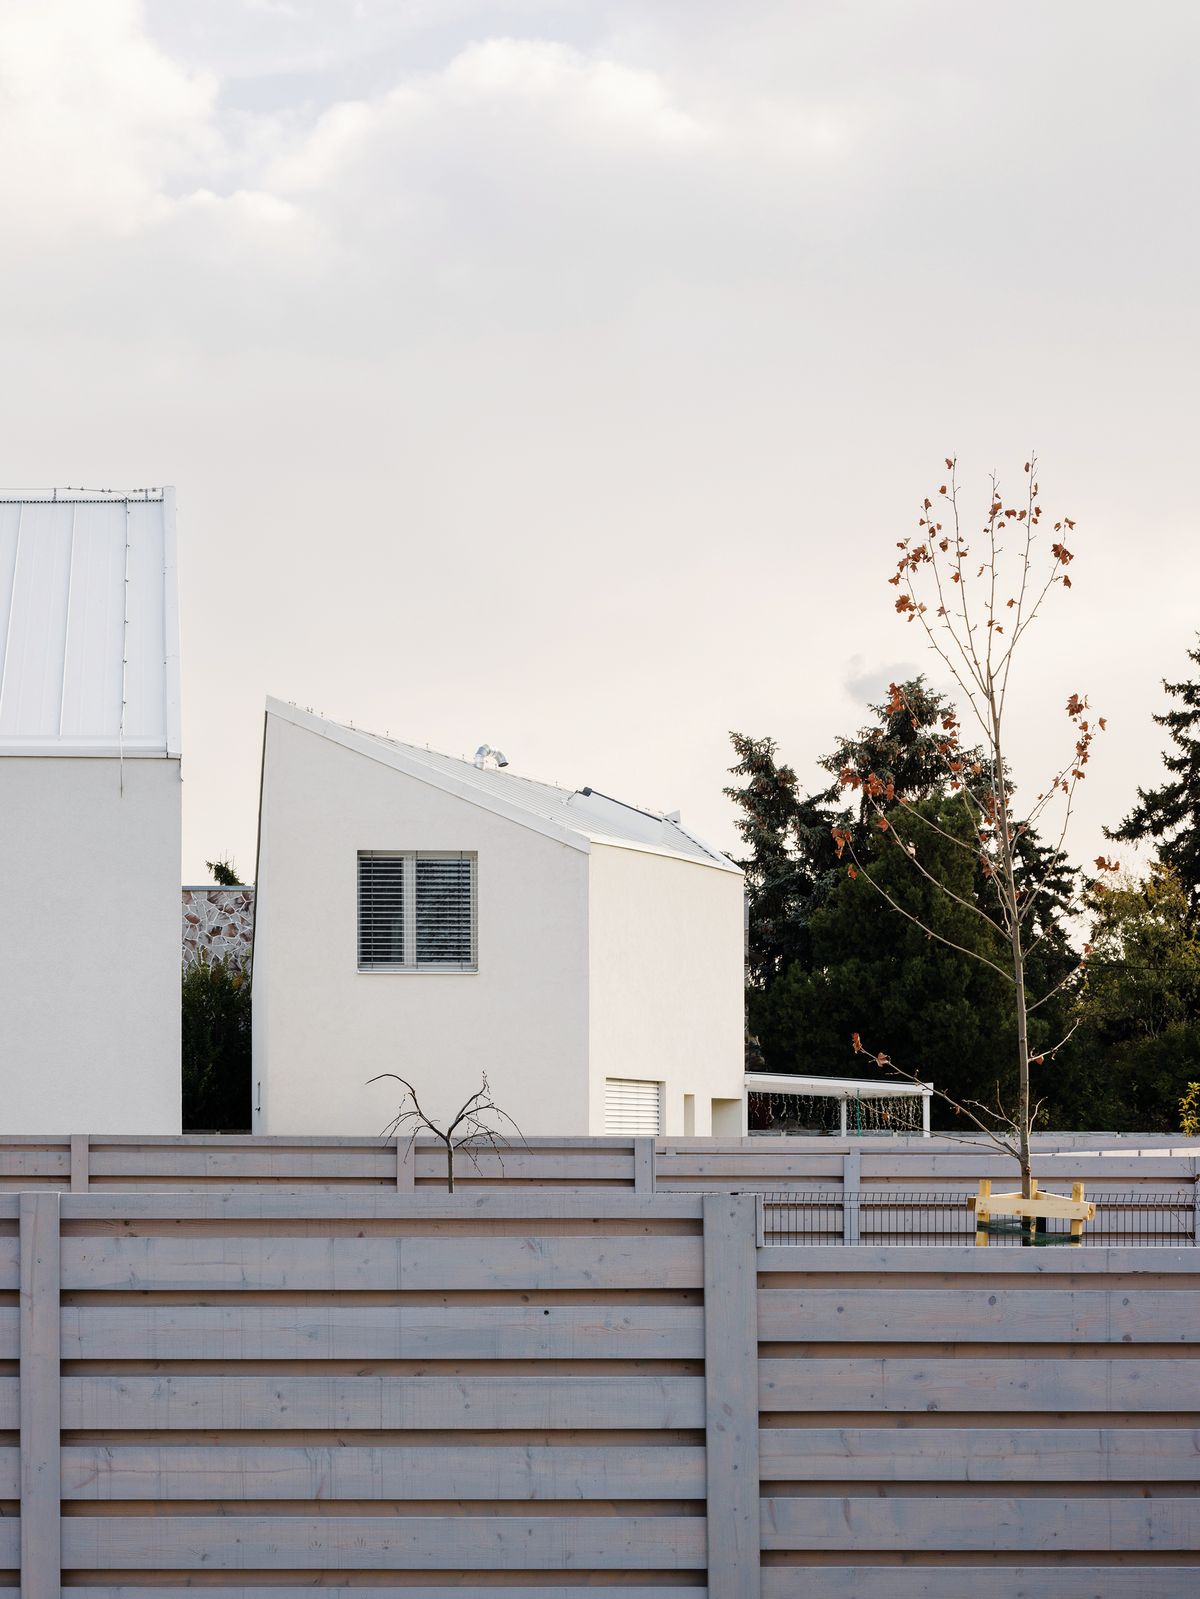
538	1395
1162	1168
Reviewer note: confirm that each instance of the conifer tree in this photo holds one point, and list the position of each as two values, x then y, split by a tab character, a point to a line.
1169	815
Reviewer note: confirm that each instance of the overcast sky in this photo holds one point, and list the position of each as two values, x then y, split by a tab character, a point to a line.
561	374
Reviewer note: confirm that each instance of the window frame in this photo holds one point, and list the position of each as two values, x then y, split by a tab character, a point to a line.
410	858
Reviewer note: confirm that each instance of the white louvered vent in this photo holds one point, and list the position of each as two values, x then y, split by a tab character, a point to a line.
632	1106
416	911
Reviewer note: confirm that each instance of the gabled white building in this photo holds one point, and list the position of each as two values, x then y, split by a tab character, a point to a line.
419	914
89	813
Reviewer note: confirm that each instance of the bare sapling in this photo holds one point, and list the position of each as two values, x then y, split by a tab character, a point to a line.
975	597
475	1125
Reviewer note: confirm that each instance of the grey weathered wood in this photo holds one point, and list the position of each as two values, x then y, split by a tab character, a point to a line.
405	1543
851	1180
406	1165
10	1262
10	1473
268	1400
643	1165
970	1314
993	1581
79	1163
871	1383
231	1472
979	1454
39	1401
951	1522
265	1204
10	1332
10	1404
183	1262
731	1397
485	1590
382	1332
1034	1263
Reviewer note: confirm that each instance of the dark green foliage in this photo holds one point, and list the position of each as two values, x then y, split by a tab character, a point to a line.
216	1047
940	1011
790	863
1169	815
900	747
225	874
1138	1044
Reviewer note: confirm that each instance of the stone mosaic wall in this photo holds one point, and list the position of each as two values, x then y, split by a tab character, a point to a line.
217	921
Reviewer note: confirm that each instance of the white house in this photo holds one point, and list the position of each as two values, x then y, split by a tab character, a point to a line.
89	813
426	915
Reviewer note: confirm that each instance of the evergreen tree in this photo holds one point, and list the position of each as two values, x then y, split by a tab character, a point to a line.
790	860
901	748
1169	815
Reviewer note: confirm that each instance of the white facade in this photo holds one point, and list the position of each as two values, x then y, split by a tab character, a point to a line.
607	945
89	814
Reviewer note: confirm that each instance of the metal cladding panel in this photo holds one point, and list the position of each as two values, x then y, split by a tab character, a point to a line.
87	613
565	807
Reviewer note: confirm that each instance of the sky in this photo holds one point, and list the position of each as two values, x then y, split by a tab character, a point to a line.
561	375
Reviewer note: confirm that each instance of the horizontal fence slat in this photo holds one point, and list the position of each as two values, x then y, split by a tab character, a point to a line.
894	1260
1041	1315
10	1332
385	1332
10	1473
269	1400
979	1454
320	1204
231	1472
404	1543
10	1259
305	1263
953	1523
992	1581
10	1404
618	1589
870	1383
10	1542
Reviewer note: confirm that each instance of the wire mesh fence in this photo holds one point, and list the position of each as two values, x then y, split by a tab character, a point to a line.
940	1216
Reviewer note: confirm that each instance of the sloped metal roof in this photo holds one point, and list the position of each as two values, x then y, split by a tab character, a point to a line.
579	812
89	627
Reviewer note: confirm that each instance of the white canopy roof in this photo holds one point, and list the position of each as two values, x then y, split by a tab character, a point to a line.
89	626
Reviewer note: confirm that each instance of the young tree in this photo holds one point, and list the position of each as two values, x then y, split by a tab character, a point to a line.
974	605
473	1127
1170	814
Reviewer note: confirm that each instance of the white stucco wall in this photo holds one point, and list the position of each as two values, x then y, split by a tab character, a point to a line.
666	994
89	946
321	1027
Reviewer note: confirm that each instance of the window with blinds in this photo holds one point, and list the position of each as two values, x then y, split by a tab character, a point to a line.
416	911
632	1106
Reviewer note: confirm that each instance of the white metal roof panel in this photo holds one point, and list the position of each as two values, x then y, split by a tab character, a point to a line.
89	645
585	815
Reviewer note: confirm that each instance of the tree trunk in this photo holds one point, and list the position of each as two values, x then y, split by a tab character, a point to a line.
449	1167
1008	868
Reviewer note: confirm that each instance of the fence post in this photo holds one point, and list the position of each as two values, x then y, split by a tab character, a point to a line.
41	1548
731	1393
79	1162
406	1163
643	1165
851	1177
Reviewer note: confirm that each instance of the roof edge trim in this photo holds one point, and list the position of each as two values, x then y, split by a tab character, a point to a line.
365	744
